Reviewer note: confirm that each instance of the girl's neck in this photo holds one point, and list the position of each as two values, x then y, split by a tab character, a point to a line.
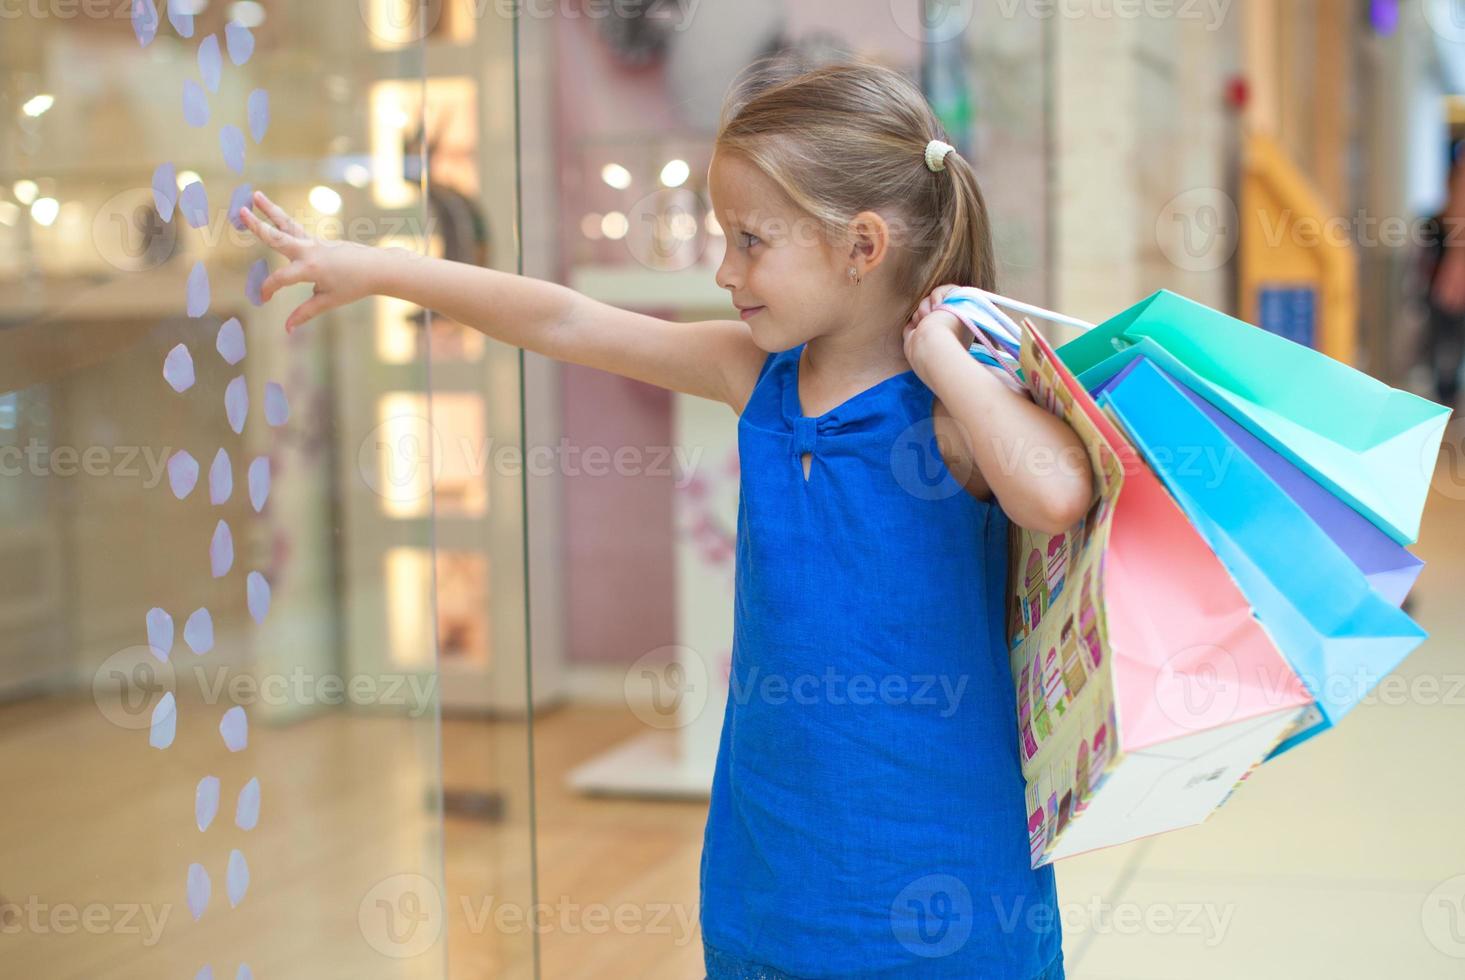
832	363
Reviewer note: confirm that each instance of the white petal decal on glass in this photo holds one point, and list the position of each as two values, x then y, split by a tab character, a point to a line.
180	15
165	190
236	403
206	801
198	290
198	632
277	406
239	42
178	369
160	632
194	203
210	62
182	473
221	550
257	596
164	723
234	727
246	812
236	881
231	142
258	112
144	21
221	478
199	889
231	339
259	482
241	197
256	279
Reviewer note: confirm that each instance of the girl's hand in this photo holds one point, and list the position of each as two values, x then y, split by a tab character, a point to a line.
340	270
931	302
930	323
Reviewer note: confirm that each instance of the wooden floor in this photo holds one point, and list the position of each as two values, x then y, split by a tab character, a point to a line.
99	828
636	860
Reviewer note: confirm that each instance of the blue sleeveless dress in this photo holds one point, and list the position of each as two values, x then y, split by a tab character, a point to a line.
867	815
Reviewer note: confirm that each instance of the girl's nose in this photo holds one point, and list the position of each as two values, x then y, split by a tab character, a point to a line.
725	276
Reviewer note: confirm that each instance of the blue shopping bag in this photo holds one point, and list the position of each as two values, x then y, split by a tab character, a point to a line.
1373	446
1338	634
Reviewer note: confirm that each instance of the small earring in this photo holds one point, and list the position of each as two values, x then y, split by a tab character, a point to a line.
854	276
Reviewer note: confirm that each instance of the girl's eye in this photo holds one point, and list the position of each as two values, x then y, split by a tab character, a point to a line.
748	240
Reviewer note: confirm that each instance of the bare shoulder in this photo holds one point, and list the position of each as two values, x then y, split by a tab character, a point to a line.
956	454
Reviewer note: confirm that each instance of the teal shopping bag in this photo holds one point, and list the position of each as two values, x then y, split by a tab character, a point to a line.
1372	445
1338	634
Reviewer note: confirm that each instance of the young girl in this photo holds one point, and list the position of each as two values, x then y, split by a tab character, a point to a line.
867	815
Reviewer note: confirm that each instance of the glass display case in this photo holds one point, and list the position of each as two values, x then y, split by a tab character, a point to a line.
247	574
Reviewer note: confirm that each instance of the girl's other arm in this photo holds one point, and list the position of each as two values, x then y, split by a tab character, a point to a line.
712	358
1034	463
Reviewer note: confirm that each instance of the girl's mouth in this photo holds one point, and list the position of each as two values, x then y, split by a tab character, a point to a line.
750	311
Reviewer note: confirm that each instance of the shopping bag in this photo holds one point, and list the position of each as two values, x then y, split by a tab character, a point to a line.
1146	688
1339	635
1372	445
1389	567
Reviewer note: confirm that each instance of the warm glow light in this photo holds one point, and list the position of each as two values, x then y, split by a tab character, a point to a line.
358	175
247	12
590	226
44	210
324	200
38	104
389	102
675	173
616	176
408	449
614	226
460	418
25	191
396	337
408	595
186	177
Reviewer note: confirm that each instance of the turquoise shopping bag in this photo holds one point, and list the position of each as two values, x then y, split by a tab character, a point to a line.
1372	445
1337	633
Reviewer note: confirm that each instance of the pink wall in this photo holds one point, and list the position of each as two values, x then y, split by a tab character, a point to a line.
619	573
619	576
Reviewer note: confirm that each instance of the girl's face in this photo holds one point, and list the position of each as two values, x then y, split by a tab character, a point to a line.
778	267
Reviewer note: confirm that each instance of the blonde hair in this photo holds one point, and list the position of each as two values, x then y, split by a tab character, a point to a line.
851	136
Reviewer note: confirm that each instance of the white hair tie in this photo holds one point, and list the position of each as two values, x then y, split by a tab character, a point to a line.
936	155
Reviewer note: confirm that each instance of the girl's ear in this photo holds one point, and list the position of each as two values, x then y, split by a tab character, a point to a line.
869	238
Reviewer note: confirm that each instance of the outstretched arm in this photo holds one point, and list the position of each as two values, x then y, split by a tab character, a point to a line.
712	358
